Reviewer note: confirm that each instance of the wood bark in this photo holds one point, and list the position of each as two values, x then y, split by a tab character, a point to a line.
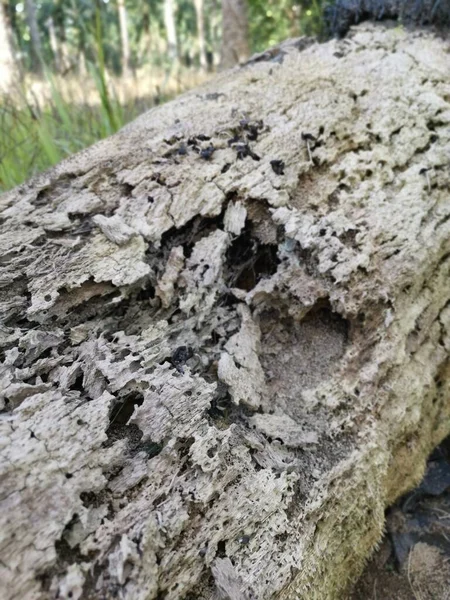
226	331
235	46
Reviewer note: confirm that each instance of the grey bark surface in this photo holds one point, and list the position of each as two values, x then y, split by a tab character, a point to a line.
220	367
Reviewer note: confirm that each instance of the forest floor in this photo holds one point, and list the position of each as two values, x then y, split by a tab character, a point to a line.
413	560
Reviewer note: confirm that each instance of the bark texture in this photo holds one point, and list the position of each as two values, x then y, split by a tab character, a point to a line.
226	331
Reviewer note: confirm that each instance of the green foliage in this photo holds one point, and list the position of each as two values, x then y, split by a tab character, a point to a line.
272	21
34	138
75	26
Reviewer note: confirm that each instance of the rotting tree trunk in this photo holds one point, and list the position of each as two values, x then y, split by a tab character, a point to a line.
219	371
234	47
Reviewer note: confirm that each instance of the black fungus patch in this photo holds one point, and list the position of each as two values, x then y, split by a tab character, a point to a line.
243	150
206	153
277	166
180	356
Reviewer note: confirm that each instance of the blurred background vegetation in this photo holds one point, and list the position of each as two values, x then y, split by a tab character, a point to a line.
75	71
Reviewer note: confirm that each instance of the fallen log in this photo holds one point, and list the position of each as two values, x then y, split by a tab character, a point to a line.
226	330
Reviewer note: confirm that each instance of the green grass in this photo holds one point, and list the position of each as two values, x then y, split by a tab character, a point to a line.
47	120
36	135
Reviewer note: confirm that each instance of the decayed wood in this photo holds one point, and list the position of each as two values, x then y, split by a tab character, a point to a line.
226	331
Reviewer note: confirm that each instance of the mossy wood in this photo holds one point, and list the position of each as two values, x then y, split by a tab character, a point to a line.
226	331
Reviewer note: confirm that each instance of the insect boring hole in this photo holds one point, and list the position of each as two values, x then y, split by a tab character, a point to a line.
118	421
124	408
190	233
221	405
249	261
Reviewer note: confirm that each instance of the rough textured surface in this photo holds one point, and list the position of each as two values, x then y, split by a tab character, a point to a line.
226	331
341	14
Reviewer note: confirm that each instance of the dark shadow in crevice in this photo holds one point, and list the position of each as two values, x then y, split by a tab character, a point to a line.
189	234
119	417
248	261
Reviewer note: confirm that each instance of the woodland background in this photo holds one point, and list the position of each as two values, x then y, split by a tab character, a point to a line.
75	71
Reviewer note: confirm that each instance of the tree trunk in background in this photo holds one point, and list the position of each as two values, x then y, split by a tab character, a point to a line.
219	367
215	31
54	44
7	62
123	23
199	11
235	46
145	38
58	18
36	48
171	33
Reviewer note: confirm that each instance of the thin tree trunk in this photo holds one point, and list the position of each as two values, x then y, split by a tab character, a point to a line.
235	46
145	41
225	332
54	44
215	31
64	54
171	33
7	62
123	23
36	48
199	11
